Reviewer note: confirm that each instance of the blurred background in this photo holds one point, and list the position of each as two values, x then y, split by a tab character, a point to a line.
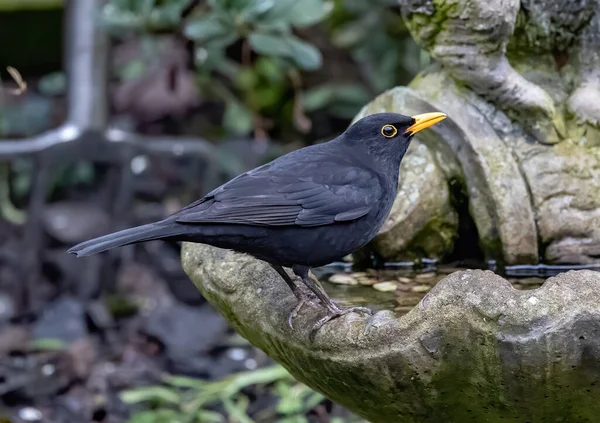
116	113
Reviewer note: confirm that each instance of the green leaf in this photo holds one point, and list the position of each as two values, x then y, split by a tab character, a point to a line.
157	416
208	58
116	18
246	79
207	416
237	118
268	44
145	6
278	27
167	16
270	69
254	10
222	41
237	409
47	344
279	12
317	98
282	13
293	419
184	382
350	35
260	376
204	28
151	393
325	95
309	12
305	55
227	67
289	405
314	398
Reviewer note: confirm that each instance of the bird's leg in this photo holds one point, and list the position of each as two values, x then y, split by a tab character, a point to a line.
302	272
298	293
333	310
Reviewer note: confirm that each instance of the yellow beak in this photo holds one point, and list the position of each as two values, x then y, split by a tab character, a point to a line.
423	121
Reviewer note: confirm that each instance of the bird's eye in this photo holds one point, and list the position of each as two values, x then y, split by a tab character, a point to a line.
389	131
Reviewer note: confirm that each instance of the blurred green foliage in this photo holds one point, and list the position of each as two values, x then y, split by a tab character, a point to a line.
268	62
253	55
183	399
375	34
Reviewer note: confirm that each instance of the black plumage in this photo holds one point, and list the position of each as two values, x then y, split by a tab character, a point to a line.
302	210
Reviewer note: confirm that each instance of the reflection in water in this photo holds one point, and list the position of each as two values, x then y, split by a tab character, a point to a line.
400	286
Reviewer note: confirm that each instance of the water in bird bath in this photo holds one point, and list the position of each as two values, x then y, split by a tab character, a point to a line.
400	286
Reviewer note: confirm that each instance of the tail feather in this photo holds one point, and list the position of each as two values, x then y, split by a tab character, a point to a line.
142	233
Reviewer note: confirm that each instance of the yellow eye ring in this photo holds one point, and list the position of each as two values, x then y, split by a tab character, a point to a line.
389	131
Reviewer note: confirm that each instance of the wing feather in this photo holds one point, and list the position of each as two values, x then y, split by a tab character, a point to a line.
302	194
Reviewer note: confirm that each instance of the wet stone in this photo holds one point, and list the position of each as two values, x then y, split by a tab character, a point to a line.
403	287
389	286
421	288
425	276
343	279
367	281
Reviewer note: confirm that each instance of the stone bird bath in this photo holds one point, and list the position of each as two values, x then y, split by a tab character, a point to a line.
474	349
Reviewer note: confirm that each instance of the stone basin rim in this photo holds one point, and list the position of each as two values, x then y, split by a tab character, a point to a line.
464	291
422	309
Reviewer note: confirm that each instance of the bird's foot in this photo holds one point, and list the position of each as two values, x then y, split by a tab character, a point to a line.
303	299
333	312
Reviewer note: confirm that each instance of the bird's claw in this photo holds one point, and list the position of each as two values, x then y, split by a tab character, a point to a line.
294	312
302	301
333	312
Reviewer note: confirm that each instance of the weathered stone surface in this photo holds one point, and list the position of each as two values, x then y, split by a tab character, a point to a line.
469	150
523	127
564	181
474	349
559	183
422	222
471	39
522	194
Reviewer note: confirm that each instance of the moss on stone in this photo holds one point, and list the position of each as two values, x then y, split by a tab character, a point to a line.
474	349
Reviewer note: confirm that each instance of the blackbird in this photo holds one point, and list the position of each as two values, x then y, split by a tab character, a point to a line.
305	209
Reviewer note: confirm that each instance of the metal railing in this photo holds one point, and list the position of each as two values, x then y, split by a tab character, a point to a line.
85	135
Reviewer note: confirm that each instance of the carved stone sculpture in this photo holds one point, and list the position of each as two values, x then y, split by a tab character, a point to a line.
520	82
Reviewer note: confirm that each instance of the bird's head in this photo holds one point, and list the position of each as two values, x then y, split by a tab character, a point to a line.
388	134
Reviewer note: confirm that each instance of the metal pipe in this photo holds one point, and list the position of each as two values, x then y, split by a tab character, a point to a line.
86	53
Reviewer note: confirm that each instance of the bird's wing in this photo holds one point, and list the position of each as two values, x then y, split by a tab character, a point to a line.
303	194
